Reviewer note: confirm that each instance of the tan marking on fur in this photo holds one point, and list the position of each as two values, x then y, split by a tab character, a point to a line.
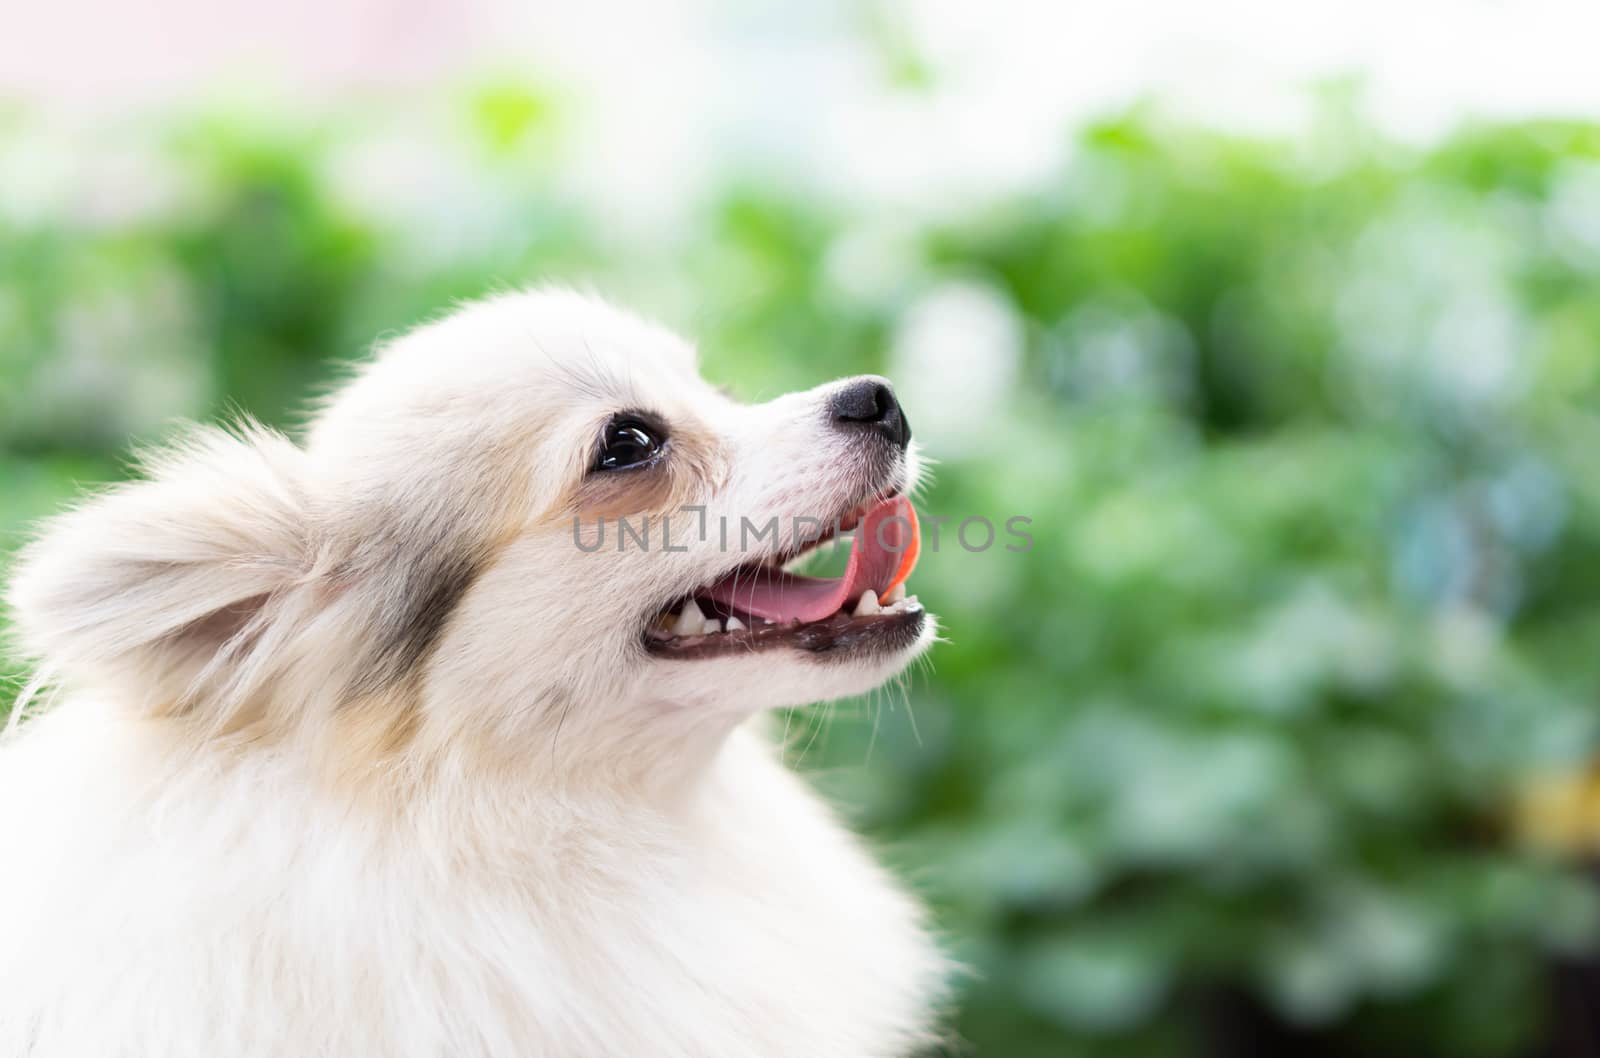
369	739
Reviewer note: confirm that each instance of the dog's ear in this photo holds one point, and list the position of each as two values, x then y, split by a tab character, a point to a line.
159	587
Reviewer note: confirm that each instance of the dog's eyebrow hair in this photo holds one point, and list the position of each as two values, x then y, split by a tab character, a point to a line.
588	377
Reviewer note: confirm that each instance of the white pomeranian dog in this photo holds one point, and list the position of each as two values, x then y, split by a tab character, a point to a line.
394	742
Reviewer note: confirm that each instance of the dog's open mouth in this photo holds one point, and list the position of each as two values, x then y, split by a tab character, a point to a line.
761	605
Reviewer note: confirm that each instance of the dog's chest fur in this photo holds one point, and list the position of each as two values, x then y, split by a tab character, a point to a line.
230	911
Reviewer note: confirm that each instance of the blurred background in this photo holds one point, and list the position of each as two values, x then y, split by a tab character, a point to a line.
1281	322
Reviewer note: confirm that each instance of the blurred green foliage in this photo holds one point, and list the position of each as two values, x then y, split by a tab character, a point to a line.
1307	433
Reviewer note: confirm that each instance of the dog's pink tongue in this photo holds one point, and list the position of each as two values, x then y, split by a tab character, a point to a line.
881	541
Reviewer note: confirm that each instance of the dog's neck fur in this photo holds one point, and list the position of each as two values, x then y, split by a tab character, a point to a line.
577	921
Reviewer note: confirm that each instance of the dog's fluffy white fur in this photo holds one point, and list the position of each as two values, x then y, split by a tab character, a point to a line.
355	753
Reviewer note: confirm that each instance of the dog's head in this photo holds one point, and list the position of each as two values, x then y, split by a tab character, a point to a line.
530	516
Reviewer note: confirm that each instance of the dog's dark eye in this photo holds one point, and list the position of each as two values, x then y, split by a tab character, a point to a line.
626	443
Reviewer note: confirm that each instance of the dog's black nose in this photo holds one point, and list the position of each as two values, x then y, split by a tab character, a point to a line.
869	402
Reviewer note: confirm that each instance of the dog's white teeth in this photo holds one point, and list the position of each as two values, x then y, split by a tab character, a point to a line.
868	605
690	621
896	594
905	604
735	625
713	626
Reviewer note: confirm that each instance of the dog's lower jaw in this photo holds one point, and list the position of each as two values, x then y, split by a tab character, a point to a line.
220	902
764	680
